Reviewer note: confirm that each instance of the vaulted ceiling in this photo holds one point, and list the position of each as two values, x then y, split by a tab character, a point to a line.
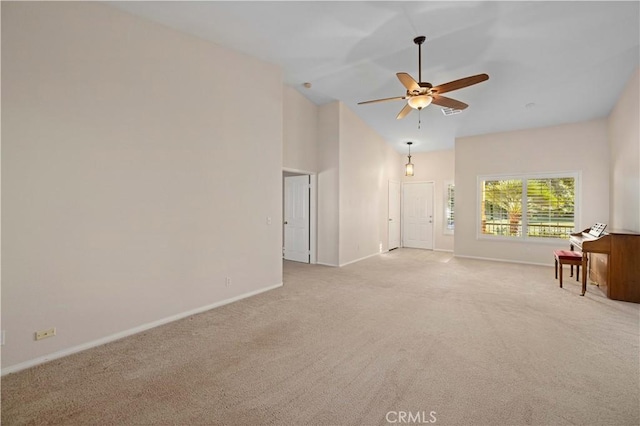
549	62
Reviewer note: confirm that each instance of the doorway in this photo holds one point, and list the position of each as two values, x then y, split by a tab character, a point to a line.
394	215
417	217
299	216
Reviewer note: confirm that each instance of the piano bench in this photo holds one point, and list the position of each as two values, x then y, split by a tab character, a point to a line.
567	257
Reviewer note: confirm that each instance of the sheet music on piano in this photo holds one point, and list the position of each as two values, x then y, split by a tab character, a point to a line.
597	229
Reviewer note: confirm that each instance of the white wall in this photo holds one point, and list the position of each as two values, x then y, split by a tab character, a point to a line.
328	184
624	139
123	203
579	147
437	167
300	132
367	163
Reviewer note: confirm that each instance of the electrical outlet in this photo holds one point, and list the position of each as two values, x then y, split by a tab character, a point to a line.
227	281
43	334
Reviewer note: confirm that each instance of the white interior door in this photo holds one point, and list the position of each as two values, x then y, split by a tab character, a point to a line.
394	215
417	217
296	218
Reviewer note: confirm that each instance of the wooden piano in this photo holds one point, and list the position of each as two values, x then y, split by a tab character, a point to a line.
613	260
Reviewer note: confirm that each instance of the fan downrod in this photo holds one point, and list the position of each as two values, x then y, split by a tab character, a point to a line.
419	40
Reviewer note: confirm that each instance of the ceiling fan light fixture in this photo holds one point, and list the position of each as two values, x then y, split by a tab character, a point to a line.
420	94
420	101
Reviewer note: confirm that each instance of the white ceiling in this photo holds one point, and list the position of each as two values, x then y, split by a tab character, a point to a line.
548	62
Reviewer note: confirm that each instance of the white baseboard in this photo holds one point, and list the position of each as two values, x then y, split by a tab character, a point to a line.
358	260
491	259
444	250
129	332
352	261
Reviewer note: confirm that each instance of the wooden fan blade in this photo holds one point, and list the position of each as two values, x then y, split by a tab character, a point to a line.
459	84
382	100
404	111
408	82
448	102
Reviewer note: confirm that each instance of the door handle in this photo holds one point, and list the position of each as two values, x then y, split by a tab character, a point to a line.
286	223
390	220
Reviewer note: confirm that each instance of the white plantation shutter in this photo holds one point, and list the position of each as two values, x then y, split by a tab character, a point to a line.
449	212
550	207
502	207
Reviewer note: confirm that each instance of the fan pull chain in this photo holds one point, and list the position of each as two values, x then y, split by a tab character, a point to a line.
419	118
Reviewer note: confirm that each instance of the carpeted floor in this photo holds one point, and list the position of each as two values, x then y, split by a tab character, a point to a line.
450	340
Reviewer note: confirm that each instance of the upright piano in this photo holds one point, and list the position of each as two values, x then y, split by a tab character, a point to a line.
613	261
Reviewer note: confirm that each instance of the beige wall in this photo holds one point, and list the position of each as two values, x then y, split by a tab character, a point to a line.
123	200
300	132
328	184
580	147
354	167
367	163
624	139
437	167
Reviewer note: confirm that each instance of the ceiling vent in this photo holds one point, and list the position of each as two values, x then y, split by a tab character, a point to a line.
451	111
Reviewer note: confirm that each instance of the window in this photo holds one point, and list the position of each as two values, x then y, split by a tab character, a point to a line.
528	207
449	202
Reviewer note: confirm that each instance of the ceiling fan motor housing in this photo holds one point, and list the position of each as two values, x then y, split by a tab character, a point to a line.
424	89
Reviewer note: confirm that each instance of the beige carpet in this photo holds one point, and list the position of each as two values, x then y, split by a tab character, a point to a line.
475	342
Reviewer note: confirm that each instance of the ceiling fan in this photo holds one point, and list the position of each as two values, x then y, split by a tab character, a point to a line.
420	94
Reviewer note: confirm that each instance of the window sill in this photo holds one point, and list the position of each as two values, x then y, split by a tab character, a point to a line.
524	240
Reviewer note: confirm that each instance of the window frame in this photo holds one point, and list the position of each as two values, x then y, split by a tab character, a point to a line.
576	175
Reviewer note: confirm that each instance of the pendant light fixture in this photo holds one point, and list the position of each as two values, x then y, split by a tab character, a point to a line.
408	168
